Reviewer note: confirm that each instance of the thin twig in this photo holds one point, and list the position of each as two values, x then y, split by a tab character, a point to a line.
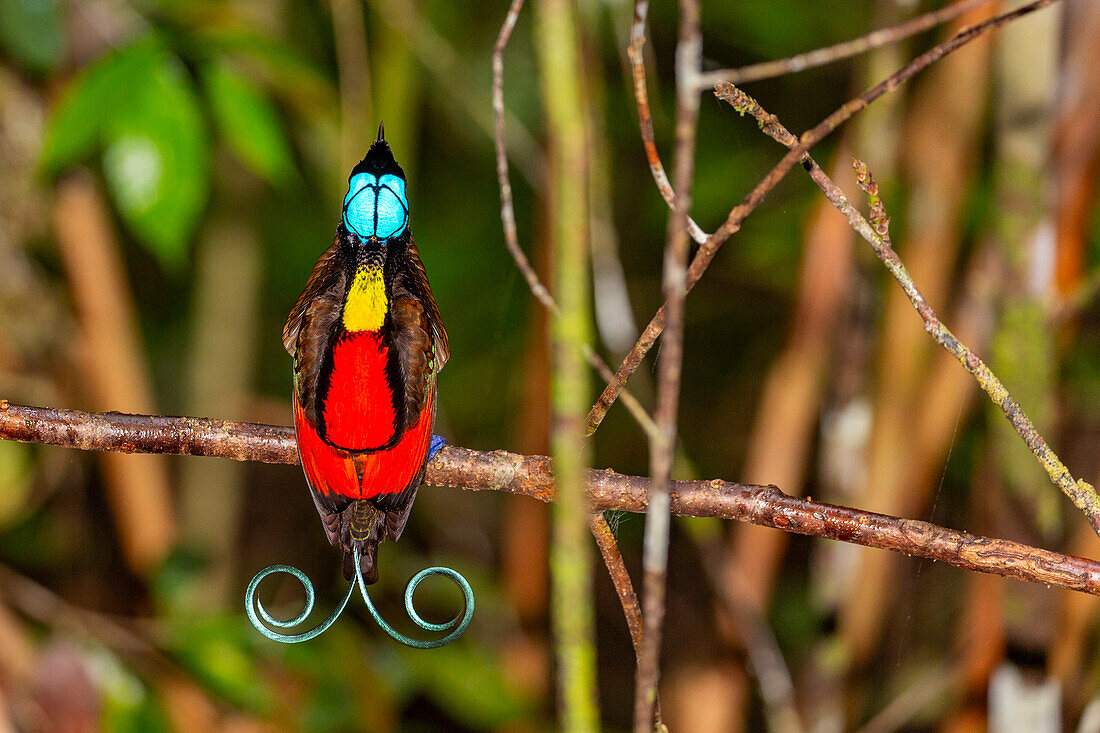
662	445
1079	491
613	559
441	60
876	232
636	53
763	652
709	249
508	217
839	51
533	476
620	578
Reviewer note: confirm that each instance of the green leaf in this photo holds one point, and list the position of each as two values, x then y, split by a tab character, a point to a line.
297	82
89	99
248	121
30	30
155	160
138	104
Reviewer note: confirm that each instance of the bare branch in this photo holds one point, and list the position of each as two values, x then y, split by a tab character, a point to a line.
877	233
709	248
613	559
636	53
840	51
532	476
616	568
1079	491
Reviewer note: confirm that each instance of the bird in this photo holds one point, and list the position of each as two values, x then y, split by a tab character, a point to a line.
367	343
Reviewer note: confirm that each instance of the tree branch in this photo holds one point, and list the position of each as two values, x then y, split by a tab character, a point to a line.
662	445
531	476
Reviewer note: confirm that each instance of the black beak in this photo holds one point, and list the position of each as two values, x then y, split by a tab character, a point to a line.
381	132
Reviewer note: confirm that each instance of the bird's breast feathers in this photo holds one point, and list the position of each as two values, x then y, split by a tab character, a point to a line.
357	402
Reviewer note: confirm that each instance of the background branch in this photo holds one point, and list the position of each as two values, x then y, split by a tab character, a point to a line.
876	232
840	51
709	249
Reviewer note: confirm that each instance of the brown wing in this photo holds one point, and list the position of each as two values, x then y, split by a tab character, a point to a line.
412	345
306	337
413	336
325	272
309	328
414	280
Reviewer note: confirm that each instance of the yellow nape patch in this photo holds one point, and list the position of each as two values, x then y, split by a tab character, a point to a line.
366	306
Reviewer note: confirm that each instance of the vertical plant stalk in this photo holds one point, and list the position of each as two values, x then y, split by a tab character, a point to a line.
570	553
655	548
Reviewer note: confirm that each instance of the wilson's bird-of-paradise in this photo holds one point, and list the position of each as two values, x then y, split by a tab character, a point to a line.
367	342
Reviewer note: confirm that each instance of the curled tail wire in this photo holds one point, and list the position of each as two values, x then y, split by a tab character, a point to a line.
360	569
457	625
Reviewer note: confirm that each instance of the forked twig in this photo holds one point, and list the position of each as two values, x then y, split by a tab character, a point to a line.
636	54
508	216
876	232
732	224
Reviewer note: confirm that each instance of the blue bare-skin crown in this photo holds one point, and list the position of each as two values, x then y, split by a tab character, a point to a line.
376	207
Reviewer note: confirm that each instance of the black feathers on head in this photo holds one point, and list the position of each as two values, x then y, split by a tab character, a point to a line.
379	159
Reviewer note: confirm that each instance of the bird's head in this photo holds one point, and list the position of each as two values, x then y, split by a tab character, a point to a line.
375	204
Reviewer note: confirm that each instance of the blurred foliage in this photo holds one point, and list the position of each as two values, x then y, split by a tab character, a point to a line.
31	31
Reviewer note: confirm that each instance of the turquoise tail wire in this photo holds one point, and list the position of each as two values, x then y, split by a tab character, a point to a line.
263	620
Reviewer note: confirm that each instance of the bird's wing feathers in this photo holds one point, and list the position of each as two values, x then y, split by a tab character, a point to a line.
324	279
414	280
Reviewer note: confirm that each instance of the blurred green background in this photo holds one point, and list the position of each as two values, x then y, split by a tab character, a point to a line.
171	170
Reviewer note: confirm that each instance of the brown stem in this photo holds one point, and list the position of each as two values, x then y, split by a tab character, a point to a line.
635	52
532	476
616	568
689	51
709	248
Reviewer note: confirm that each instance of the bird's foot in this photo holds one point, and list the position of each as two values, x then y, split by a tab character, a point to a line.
438	441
